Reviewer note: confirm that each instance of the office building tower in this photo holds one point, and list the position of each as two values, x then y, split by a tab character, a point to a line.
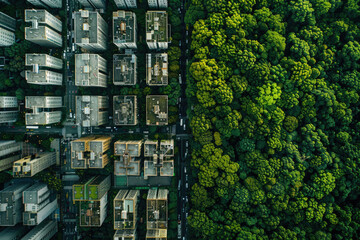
92	195
125	110
43	77
44	231
93	3
11	206
124	69
8	109
124	4
158	156
13	233
91	111
45	110
125	214
31	165
90	70
45	28
158	3
157	69
46	3
157	214
7	22
124	29
157	110
10	151
128	163
7	38
90	152
157	29
90	30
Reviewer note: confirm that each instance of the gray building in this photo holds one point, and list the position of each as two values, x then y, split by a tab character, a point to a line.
90	30
157	73
8	116
46	3
90	70
124	29
10	151
45	110
7	29
158	3
11	206
35	218
93	3
44	231
124	69
92	111
8	102
7	22
13	233
123	4
125	110
45	28
8	109
157	29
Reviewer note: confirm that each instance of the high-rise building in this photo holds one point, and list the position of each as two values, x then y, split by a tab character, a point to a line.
46	3
45	110
11	206
7	29
158	3
42	60
157	69
7	22
158	157
124	29
157	214
90	70
128	163
123	4
90	152
47	34
125	214
13	233
31	165
157	110
9	109
125	110
124	69
93	3
91	111
90	30
44	231
157	29
92	195
10	151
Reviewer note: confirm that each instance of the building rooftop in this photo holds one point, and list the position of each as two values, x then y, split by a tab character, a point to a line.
91	110
157	69
43	17
124	27
42	60
125	209
90	70
124	69
159	157
157	26
125	110
93	189
86	26
128	152
93	213
157	110
157	209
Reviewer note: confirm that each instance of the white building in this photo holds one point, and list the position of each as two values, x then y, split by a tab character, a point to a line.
43	231
93	3
43	60
47	34
40	103
8	116
123	4
90	70
46	3
92	111
8	102
158	3
7	38
90	30
44	77
9	107
10	151
124	29
31	165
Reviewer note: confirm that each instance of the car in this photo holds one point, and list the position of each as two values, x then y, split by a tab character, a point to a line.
131	131
180	81
179	185
181	122
187	40
179	43
187	185
187	177
71	115
185	170
184	127
48	126
187	144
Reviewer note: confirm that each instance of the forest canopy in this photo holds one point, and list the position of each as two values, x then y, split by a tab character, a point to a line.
274	88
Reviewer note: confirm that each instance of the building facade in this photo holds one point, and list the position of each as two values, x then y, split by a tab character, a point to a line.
157	29
8	109
90	70
31	165
158	3
13	233
46	3
10	151
93	3
45	28
124	29
7	38
44	231
123	4
7	22
91	111
45	110
90	30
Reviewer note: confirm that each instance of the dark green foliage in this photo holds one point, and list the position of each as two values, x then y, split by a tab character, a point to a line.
274	87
